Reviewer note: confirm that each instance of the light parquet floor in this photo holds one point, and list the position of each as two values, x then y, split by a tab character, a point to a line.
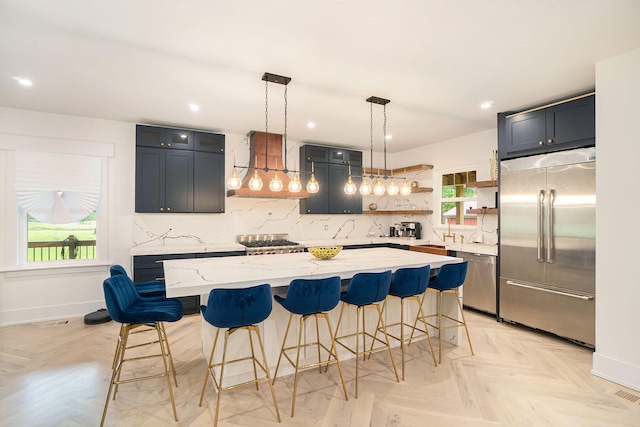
57	374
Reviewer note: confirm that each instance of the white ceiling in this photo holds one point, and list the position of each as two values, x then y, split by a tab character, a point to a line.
437	61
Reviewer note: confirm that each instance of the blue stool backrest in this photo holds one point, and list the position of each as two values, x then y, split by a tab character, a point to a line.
232	308
117	269
410	281
308	296
367	288
449	276
119	294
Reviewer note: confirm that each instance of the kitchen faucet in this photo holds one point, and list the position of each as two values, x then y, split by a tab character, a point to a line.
444	236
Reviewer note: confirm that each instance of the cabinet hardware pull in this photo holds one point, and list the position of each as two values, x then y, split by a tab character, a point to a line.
168	145
168	209
161	209
162	144
540	143
567	294
552	197
550	141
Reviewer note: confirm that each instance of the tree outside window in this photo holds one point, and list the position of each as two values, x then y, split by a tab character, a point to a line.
457	198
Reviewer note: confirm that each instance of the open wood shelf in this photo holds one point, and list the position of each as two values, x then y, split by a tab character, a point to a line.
483	184
407	212
421	190
483	211
399	171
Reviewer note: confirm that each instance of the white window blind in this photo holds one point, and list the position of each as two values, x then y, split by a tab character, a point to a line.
57	188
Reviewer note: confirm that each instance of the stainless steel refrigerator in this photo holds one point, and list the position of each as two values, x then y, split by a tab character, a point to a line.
547	243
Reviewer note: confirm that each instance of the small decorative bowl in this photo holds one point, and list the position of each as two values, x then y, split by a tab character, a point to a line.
325	252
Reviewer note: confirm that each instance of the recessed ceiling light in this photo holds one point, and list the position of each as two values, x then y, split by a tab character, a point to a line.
388	137
194	107
486	105
23	81
311	125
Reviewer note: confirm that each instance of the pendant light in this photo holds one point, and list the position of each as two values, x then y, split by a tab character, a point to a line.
405	190
255	183
312	184
276	182
393	188
350	186
378	188
234	182
295	186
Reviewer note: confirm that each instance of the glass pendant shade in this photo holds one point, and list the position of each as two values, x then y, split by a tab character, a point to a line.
276	183
234	181
405	190
393	188
378	188
255	183
350	187
295	185
365	188
312	185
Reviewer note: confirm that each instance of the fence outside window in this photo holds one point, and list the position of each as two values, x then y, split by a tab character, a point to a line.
68	248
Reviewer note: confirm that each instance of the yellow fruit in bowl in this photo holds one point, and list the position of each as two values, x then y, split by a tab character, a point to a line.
325	252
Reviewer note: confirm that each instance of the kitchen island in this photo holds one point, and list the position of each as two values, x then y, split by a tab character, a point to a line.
199	276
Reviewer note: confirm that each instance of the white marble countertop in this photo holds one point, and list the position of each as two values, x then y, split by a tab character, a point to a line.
198	276
464	247
226	247
185	249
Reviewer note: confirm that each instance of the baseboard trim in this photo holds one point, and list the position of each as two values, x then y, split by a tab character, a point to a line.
617	371
45	313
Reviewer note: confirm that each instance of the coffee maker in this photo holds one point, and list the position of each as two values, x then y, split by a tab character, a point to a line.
411	229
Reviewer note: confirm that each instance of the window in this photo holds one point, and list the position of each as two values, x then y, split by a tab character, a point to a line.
456	198
58	196
53	242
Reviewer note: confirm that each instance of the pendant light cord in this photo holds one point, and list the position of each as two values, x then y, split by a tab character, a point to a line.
266	126
371	149
285	170
384	136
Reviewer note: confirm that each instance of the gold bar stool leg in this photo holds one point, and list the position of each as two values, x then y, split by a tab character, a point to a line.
426	328
440	328
359	310
401	334
166	370
386	338
266	368
253	359
317	342
210	366
284	342
224	359
464	322
166	340
297	366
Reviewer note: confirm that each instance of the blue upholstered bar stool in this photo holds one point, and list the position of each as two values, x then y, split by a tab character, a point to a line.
408	284
449	278
234	310
152	288
365	290
310	299
138	314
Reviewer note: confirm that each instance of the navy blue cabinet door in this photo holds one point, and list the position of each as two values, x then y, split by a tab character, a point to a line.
150	179
317	203
339	202
208	194
179	181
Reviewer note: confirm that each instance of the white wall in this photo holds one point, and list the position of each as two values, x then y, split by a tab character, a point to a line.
617	355
55	293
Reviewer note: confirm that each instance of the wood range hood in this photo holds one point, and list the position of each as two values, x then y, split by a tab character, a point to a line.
270	156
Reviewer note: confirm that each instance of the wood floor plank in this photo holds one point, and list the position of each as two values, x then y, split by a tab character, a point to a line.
56	373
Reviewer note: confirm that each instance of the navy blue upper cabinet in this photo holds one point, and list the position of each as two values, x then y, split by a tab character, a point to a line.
155	136
560	126
331	168
205	141
345	157
174	180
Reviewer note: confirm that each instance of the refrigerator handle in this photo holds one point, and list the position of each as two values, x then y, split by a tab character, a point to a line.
550	227
540	241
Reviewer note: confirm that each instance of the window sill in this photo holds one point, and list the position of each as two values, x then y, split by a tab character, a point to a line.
44	270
